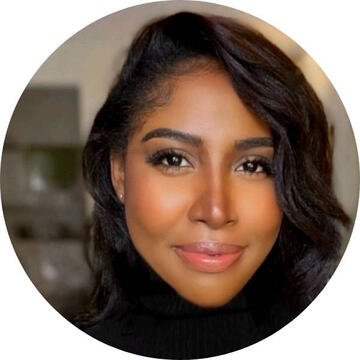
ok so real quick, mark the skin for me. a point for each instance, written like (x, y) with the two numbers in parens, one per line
(208, 197)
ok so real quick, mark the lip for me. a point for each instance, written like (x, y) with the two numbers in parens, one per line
(210, 257)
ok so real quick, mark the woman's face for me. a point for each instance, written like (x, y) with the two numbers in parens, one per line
(199, 196)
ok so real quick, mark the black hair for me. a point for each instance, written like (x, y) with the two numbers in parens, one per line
(273, 88)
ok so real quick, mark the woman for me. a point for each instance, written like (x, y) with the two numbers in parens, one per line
(215, 223)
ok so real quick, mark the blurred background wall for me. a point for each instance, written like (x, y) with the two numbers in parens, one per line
(46, 208)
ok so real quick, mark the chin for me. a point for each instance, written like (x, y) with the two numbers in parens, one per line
(206, 301)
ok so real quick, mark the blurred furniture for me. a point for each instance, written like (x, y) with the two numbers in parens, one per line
(43, 195)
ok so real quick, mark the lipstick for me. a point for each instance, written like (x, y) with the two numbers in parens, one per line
(210, 257)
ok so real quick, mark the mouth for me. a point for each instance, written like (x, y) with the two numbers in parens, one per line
(209, 257)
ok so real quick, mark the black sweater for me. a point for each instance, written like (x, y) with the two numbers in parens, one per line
(164, 325)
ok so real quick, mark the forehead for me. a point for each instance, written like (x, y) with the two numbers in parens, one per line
(206, 104)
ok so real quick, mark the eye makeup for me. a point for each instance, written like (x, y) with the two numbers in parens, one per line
(169, 159)
(255, 165)
(174, 160)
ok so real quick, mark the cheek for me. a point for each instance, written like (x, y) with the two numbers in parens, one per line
(153, 204)
(259, 210)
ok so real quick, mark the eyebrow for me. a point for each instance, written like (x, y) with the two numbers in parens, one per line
(196, 141)
(173, 134)
(253, 143)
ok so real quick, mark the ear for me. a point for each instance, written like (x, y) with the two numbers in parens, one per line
(117, 174)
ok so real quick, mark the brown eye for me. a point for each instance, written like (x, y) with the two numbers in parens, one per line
(255, 166)
(252, 166)
(169, 159)
(174, 160)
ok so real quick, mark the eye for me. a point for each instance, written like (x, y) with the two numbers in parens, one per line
(169, 159)
(255, 166)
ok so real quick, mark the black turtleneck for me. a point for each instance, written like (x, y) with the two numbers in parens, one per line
(164, 325)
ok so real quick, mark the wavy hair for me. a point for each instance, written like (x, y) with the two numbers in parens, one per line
(273, 88)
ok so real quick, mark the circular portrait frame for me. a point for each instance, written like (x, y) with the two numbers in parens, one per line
(328, 296)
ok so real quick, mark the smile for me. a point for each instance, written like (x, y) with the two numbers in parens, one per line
(210, 257)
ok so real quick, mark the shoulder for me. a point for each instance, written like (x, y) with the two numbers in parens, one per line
(101, 330)
(112, 331)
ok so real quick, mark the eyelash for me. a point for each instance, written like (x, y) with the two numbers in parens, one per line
(157, 159)
(159, 156)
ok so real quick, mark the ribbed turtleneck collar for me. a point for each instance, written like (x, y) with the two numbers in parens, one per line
(162, 324)
(169, 303)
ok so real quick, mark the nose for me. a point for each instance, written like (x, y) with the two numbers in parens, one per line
(213, 205)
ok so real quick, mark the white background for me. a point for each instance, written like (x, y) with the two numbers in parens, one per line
(31, 30)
